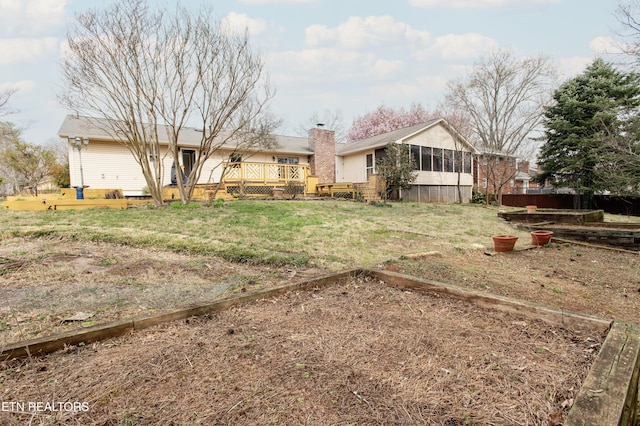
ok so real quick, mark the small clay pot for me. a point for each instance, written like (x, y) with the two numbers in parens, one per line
(531, 209)
(541, 238)
(503, 243)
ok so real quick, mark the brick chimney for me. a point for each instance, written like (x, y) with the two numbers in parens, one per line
(323, 161)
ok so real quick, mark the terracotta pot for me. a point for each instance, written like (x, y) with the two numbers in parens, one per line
(541, 238)
(504, 242)
(531, 209)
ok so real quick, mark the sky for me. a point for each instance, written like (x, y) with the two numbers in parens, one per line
(341, 56)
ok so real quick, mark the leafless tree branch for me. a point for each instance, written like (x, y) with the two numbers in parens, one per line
(150, 71)
(504, 97)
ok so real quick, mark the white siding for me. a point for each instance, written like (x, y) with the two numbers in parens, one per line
(354, 167)
(111, 166)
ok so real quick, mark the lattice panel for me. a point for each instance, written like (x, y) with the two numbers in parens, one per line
(274, 172)
(258, 190)
(233, 189)
(342, 195)
(253, 171)
(250, 190)
(295, 173)
(233, 172)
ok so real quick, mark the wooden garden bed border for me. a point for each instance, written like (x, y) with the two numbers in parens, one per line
(608, 396)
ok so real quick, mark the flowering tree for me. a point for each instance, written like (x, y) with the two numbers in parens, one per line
(386, 119)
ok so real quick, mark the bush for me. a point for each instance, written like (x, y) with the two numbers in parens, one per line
(478, 197)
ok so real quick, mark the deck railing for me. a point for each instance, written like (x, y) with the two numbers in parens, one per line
(249, 172)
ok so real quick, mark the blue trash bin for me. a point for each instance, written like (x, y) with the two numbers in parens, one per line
(79, 193)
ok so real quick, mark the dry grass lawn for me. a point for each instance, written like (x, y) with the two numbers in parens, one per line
(358, 353)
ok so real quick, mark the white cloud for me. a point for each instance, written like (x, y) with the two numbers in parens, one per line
(383, 68)
(239, 22)
(21, 86)
(572, 66)
(330, 64)
(476, 4)
(372, 31)
(31, 17)
(276, 1)
(26, 50)
(458, 47)
(605, 46)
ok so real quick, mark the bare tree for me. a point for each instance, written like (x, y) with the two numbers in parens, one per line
(5, 96)
(333, 120)
(151, 73)
(628, 15)
(22, 165)
(504, 97)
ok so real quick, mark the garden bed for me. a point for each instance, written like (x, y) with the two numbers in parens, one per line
(575, 217)
(378, 348)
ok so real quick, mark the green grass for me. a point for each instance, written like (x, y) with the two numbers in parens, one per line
(326, 234)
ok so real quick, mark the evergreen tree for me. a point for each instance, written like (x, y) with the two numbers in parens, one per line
(589, 114)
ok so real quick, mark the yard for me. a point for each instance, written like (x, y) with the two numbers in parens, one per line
(116, 264)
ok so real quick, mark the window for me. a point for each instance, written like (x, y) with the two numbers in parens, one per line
(288, 160)
(448, 160)
(457, 161)
(467, 162)
(437, 159)
(369, 166)
(426, 159)
(484, 182)
(153, 153)
(235, 158)
(415, 153)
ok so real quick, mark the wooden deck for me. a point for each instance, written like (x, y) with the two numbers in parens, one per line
(65, 200)
(368, 191)
(245, 179)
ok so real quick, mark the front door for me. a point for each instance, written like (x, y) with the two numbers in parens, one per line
(188, 161)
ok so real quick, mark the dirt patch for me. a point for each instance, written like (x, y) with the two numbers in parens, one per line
(357, 354)
(579, 278)
(354, 353)
(43, 281)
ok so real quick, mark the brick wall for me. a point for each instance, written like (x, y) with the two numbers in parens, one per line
(323, 161)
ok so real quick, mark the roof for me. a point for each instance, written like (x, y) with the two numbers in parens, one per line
(399, 135)
(96, 129)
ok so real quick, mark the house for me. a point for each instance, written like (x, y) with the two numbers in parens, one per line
(97, 160)
(524, 178)
(444, 158)
(494, 170)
